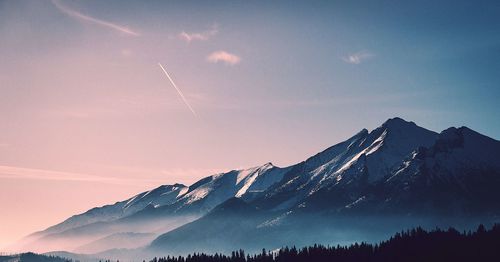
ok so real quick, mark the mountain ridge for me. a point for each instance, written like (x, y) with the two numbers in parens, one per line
(383, 170)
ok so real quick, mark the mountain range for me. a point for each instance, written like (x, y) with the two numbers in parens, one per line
(365, 188)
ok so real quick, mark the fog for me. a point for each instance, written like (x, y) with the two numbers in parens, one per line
(101, 236)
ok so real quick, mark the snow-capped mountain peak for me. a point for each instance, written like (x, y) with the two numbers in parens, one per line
(397, 166)
(162, 195)
(218, 188)
(365, 157)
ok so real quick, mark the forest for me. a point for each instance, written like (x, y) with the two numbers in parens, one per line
(412, 245)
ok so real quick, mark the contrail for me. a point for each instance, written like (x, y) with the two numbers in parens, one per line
(78, 15)
(178, 90)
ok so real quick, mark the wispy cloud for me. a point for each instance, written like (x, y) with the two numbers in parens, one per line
(198, 36)
(13, 172)
(85, 18)
(358, 58)
(223, 56)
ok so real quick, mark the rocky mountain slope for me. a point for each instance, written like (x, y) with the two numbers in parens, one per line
(365, 188)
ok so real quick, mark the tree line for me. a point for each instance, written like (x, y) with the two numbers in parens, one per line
(412, 245)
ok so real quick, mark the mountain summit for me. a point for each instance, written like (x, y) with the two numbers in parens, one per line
(395, 176)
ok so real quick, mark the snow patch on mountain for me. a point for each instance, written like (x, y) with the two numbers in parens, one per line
(367, 156)
(383, 148)
(162, 195)
(236, 183)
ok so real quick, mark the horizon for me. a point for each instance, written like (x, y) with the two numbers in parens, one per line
(104, 100)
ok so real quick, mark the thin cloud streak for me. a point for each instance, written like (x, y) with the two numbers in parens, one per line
(203, 36)
(358, 58)
(178, 90)
(13, 172)
(223, 56)
(75, 14)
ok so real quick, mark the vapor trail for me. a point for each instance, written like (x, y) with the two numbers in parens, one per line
(178, 90)
(78, 15)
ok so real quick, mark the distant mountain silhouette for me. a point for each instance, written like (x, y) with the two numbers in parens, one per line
(32, 257)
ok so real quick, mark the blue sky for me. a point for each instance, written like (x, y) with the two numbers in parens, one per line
(83, 98)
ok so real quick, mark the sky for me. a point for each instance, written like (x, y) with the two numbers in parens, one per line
(89, 117)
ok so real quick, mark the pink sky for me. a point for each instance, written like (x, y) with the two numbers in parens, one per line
(88, 117)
